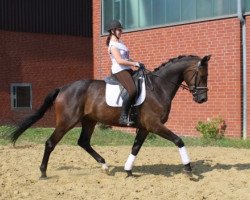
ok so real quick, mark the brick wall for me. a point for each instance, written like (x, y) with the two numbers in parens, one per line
(46, 61)
(221, 38)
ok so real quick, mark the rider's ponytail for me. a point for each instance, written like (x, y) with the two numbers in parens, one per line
(108, 38)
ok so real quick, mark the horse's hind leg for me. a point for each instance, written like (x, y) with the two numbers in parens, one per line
(139, 140)
(50, 144)
(88, 127)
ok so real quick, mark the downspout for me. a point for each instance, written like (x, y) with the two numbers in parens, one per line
(244, 67)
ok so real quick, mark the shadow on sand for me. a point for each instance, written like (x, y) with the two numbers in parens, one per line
(199, 169)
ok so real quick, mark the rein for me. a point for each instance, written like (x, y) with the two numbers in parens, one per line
(184, 87)
(194, 89)
(148, 82)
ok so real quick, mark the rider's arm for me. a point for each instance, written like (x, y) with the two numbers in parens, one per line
(115, 52)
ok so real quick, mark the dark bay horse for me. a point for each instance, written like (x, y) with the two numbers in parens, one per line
(84, 101)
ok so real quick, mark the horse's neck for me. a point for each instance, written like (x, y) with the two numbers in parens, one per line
(171, 78)
(172, 74)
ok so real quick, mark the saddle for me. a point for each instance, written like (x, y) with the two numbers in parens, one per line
(138, 77)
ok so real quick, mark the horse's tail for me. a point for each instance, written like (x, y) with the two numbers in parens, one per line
(29, 121)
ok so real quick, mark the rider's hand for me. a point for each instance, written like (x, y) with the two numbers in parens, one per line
(137, 64)
(140, 65)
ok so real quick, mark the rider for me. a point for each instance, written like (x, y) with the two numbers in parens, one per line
(121, 68)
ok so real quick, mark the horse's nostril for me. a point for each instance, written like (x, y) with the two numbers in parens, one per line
(200, 100)
(203, 100)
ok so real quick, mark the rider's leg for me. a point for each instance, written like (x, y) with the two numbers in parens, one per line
(124, 117)
(125, 78)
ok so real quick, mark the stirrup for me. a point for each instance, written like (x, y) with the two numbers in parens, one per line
(124, 121)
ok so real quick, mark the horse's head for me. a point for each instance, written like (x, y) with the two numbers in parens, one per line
(195, 77)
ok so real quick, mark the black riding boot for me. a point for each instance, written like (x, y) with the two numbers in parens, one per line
(124, 118)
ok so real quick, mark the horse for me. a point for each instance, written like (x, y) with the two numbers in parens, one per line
(83, 102)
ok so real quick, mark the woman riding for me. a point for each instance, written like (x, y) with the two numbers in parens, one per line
(121, 68)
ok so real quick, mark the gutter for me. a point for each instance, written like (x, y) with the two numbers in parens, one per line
(244, 66)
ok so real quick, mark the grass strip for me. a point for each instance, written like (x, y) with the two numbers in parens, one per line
(109, 137)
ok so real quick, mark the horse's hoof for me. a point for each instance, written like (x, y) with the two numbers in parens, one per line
(129, 173)
(43, 178)
(187, 172)
(105, 168)
(187, 168)
(191, 176)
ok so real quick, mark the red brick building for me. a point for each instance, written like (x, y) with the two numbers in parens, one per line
(48, 61)
(43, 45)
(220, 37)
(45, 62)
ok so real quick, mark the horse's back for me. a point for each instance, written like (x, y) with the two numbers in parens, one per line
(73, 97)
(80, 87)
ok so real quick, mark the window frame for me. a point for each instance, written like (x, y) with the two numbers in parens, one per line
(13, 96)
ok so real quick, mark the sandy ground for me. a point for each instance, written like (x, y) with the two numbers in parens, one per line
(221, 173)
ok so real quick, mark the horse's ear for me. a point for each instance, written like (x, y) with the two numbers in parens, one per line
(205, 59)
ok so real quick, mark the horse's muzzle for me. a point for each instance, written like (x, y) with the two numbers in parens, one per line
(200, 94)
(200, 98)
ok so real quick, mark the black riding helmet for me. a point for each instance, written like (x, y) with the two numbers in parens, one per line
(114, 24)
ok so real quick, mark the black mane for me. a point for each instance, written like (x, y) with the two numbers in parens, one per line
(177, 59)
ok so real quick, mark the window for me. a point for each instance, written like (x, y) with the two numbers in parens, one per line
(173, 11)
(108, 13)
(145, 13)
(188, 10)
(247, 5)
(158, 11)
(136, 14)
(132, 18)
(221, 7)
(21, 96)
(205, 8)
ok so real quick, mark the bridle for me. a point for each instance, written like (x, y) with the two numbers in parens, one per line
(194, 89)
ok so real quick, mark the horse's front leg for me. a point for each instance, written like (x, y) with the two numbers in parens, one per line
(139, 140)
(164, 132)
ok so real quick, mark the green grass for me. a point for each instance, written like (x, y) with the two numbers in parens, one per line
(108, 137)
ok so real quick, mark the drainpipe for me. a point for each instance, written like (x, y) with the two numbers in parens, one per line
(244, 67)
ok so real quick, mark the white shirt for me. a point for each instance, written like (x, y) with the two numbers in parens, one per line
(124, 55)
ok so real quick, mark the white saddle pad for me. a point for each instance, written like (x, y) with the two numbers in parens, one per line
(113, 91)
